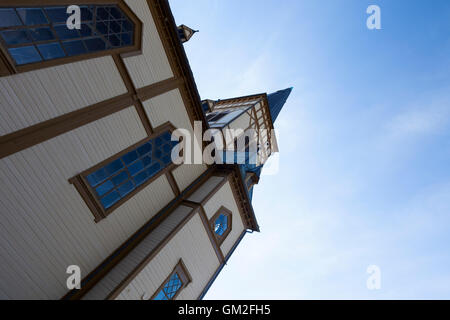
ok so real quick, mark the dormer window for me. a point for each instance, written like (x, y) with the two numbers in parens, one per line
(221, 224)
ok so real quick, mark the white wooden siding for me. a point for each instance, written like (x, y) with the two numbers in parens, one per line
(152, 65)
(168, 106)
(224, 197)
(36, 96)
(205, 189)
(187, 173)
(192, 245)
(120, 272)
(45, 225)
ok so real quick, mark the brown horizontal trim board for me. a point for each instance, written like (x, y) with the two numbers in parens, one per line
(28, 137)
(136, 48)
(150, 256)
(122, 251)
(87, 192)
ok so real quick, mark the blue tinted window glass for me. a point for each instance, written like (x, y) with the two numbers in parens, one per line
(51, 50)
(160, 296)
(97, 177)
(112, 29)
(146, 148)
(115, 13)
(140, 178)
(104, 188)
(74, 48)
(65, 33)
(16, 36)
(136, 167)
(42, 34)
(95, 44)
(172, 286)
(102, 27)
(126, 188)
(115, 26)
(102, 13)
(167, 148)
(147, 161)
(114, 40)
(126, 39)
(153, 169)
(109, 200)
(127, 26)
(114, 166)
(221, 225)
(86, 13)
(32, 16)
(85, 30)
(9, 18)
(130, 157)
(24, 55)
(121, 177)
(57, 14)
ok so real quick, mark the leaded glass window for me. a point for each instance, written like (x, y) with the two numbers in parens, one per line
(178, 279)
(36, 34)
(122, 175)
(170, 288)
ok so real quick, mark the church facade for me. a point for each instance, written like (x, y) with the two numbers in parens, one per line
(88, 180)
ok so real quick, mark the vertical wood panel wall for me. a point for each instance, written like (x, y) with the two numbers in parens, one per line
(45, 224)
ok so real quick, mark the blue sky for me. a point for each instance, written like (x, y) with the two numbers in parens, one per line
(364, 143)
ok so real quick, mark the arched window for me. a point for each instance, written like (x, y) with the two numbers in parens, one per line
(221, 224)
(38, 36)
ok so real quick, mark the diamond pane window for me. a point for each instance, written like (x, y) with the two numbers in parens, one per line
(170, 288)
(37, 34)
(116, 179)
(175, 282)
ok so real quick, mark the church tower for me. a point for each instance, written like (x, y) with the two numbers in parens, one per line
(93, 204)
(252, 117)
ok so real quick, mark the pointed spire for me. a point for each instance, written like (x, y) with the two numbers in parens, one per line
(277, 101)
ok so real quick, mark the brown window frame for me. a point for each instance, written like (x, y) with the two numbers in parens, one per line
(184, 275)
(88, 193)
(222, 210)
(8, 66)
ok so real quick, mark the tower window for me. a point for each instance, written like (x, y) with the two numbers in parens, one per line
(111, 183)
(221, 224)
(175, 282)
(32, 35)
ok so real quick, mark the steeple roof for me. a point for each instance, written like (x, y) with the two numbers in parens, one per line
(277, 101)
